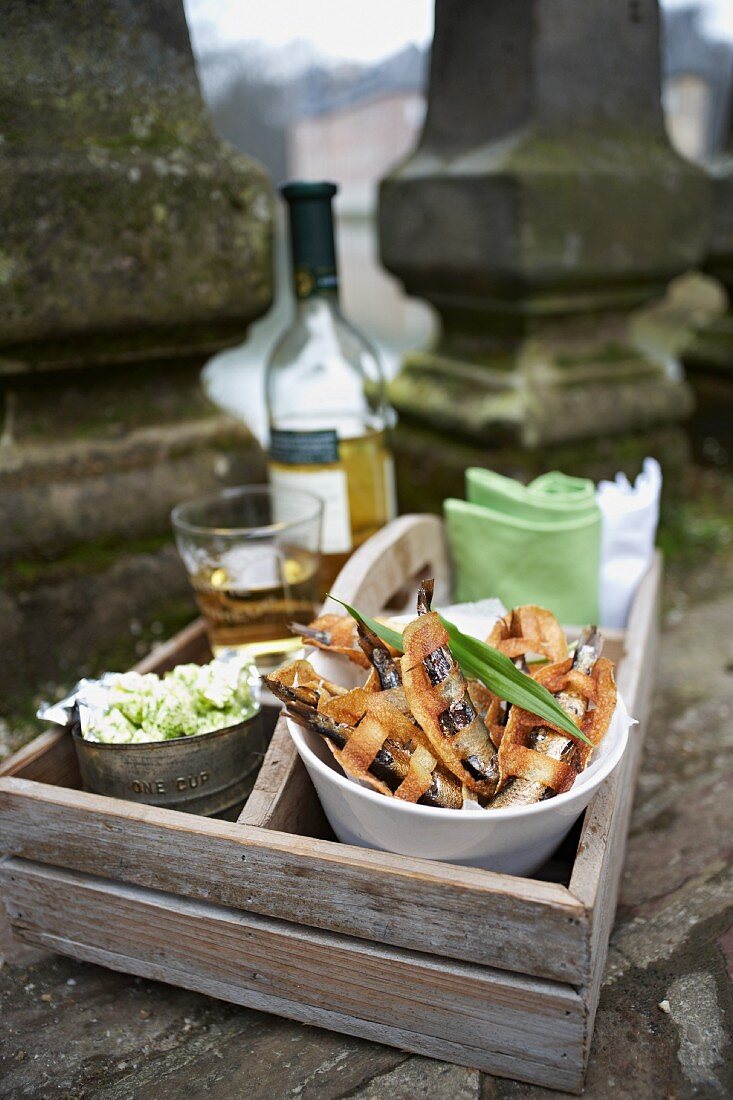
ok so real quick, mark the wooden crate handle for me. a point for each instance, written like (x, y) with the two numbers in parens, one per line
(386, 569)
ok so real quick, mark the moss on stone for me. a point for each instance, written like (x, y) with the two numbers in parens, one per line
(85, 558)
(604, 353)
(86, 406)
(551, 396)
(430, 466)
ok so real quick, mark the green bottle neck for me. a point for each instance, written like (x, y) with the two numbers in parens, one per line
(312, 244)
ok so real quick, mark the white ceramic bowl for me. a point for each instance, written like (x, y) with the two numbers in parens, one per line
(515, 841)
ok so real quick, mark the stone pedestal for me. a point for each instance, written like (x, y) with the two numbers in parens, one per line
(542, 208)
(135, 243)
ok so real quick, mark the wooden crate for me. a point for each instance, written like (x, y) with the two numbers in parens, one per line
(482, 969)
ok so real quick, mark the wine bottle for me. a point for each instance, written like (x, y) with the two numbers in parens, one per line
(325, 392)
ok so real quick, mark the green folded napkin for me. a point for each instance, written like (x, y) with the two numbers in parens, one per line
(537, 543)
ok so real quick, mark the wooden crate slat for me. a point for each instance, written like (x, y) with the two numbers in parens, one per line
(484, 1013)
(567, 1078)
(518, 924)
(49, 758)
(283, 797)
(614, 814)
(599, 863)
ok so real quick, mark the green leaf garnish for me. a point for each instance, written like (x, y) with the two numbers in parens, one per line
(386, 633)
(480, 661)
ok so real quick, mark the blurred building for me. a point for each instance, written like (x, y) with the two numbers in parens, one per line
(355, 134)
(357, 143)
(698, 73)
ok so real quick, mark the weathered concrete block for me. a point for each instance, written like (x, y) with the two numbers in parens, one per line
(90, 467)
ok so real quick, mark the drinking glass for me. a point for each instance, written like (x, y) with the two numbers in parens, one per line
(254, 564)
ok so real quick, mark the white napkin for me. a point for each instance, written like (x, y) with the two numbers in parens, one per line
(629, 517)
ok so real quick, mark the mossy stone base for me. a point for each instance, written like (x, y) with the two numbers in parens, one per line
(100, 608)
(711, 348)
(540, 393)
(708, 360)
(106, 455)
(711, 426)
(135, 244)
(90, 465)
(431, 465)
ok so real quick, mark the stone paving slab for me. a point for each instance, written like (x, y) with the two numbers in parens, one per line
(76, 1030)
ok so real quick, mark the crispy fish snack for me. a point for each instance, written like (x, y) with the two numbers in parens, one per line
(385, 674)
(527, 630)
(337, 634)
(437, 694)
(372, 741)
(370, 726)
(381, 731)
(524, 750)
(600, 693)
(382, 658)
(299, 680)
(488, 706)
(418, 731)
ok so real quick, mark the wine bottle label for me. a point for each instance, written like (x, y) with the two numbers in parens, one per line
(319, 448)
(331, 487)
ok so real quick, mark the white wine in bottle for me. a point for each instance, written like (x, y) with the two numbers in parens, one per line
(325, 393)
